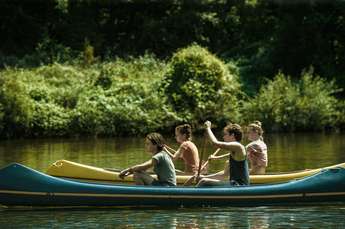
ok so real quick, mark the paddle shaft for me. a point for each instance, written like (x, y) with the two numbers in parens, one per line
(190, 180)
(208, 160)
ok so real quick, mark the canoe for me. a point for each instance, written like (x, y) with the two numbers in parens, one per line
(69, 169)
(26, 187)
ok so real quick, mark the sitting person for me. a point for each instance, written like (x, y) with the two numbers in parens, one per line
(160, 161)
(238, 165)
(187, 150)
(256, 149)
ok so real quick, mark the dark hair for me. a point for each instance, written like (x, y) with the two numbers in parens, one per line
(234, 129)
(156, 139)
(185, 129)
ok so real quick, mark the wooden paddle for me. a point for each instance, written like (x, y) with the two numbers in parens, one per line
(208, 160)
(191, 179)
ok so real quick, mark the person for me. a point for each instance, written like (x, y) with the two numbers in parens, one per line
(238, 164)
(187, 150)
(256, 149)
(161, 162)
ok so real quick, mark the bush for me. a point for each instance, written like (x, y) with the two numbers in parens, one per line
(50, 119)
(199, 86)
(113, 98)
(15, 106)
(124, 106)
(284, 105)
(340, 118)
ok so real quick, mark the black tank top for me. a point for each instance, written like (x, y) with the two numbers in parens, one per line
(239, 172)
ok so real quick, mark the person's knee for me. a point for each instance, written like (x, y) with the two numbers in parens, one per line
(137, 176)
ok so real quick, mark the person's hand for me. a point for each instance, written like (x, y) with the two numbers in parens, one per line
(198, 178)
(254, 149)
(211, 157)
(125, 173)
(208, 124)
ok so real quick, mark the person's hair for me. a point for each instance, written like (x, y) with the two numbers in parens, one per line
(256, 127)
(185, 129)
(156, 139)
(234, 129)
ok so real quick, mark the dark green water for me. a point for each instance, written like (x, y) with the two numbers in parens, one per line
(286, 153)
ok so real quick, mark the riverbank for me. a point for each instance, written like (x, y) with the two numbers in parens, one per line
(126, 97)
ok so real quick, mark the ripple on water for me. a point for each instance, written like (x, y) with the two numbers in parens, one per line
(251, 218)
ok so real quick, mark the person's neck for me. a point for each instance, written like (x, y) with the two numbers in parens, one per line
(155, 152)
(256, 138)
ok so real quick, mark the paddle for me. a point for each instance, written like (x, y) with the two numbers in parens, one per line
(208, 160)
(190, 180)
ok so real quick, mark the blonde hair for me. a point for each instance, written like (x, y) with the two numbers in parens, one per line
(256, 127)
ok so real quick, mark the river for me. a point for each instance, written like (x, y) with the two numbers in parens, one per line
(287, 152)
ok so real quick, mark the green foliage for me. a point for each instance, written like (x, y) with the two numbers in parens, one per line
(63, 100)
(282, 104)
(89, 56)
(199, 85)
(50, 119)
(340, 117)
(15, 107)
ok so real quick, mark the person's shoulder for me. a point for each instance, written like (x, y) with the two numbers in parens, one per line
(189, 143)
(186, 145)
(253, 144)
(159, 155)
(239, 144)
(261, 144)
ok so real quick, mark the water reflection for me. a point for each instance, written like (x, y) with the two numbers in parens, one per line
(246, 218)
(287, 152)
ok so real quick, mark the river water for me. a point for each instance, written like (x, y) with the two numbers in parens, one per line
(287, 152)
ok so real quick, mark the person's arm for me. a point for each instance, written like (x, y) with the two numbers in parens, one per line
(144, 166)
(231, 146)
(174, 154)
(169, 150)
(141, 167)
(211, 157)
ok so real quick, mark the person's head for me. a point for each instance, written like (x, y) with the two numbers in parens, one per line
(154, 142)
(232, 132)
(183, 133)
(255, 131)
